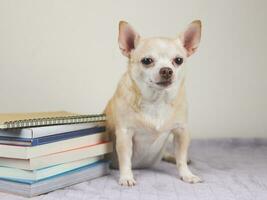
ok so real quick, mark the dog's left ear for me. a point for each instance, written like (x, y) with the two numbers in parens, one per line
(128, 38)
(191, 37)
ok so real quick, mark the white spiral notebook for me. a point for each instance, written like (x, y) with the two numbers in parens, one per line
(22, 120)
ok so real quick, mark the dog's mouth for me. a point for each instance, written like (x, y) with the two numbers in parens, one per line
(164, 83)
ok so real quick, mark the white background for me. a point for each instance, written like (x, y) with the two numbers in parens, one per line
(63, 55)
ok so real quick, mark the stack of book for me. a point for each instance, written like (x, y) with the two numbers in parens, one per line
(42, 152)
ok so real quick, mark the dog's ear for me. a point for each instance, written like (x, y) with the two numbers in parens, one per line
(128, 38)
(191, 37)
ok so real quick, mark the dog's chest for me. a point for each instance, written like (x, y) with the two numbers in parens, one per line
(155, 115)
(150, 137)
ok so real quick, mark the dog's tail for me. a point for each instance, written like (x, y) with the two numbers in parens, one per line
(168, 155)
(171, 159)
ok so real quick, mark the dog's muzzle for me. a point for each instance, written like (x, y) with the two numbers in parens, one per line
(166, 76)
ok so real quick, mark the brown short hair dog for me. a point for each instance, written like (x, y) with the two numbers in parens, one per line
(150, 102)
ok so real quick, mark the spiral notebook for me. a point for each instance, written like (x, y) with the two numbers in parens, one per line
(22, 120)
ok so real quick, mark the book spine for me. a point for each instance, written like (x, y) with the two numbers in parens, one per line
(50, 138)
(65, 136)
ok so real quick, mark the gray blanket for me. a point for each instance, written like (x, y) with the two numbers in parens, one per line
(231, 169)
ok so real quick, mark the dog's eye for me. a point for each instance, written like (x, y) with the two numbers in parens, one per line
(178, 60)
(147, 61)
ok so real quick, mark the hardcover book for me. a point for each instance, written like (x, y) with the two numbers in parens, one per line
(50, 138)
(37, 132)
(26, 152)
(34, 188)
(58, 158)
(40, 174)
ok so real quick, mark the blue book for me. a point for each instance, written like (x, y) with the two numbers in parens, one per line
(34, 188)
(50, 138)
(10, 173)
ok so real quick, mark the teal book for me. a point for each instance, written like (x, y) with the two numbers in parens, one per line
(40, 174)
(34, 188)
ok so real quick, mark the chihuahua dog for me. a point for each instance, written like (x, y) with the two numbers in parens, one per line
(150, 102)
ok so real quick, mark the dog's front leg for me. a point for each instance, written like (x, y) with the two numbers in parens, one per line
(124, 151)
(181, 144)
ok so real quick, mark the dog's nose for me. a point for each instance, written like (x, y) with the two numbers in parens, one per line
(166, 72)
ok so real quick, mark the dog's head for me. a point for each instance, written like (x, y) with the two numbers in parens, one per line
(158, 62)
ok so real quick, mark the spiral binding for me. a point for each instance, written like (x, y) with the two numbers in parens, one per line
(55, 121)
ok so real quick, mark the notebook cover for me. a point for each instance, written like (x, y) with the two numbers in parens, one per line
(6, 117)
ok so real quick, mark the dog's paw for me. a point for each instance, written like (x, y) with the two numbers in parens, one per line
(126, 181)
(191, 179)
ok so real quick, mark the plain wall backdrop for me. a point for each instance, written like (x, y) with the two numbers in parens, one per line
(63, 55)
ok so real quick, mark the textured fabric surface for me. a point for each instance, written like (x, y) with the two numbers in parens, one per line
(231, 169)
